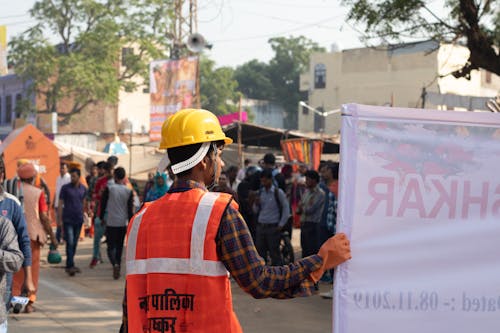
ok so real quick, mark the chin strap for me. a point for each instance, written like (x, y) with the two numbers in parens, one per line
(216, 167)
(193, 160)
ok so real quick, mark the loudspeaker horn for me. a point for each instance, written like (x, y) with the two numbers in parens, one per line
(196, 43)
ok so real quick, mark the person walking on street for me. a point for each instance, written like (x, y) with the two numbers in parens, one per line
(310, 209)
(272, 210)
(63, 179)
(159, 188)
(72, 201)
(12, 210)
(39, 226)
(232, 180)
(12, 259)
(327, 226)
(223, 186)
(117, 209)
(181, 246)
(106, 175)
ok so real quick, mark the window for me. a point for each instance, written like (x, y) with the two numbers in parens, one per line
(19, 98)
(319, 76)
(125, 52)
(305, 110)
(8, 109)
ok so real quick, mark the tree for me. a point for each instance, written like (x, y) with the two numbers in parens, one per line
(473, 23)
(83, 68)
(291, 58)
(218, 89)
(254, 80)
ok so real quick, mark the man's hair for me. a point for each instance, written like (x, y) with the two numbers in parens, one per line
(182, 153)
(269, 158)
(267, 173)
(334, 168)
(313, 174)
(100, 164)
(113, 160)
(232, 168)
(119, 173)
(75, 170)
(106, 166)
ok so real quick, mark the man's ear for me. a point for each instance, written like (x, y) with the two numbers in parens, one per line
(205, 162)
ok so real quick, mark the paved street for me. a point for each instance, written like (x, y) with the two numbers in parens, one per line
(91, 302)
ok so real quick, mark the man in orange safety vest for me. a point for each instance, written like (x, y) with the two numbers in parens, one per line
(182, 247)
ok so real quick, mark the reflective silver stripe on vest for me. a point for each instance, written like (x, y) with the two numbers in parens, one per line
(132, 237)
(195, 265)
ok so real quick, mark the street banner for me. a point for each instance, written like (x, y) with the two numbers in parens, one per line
(227, 119)
(3, 50)
(420, 201)
(172, 88)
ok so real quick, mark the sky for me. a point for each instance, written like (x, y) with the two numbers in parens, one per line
(239, 30)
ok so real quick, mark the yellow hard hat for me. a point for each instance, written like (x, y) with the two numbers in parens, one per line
(190, 126)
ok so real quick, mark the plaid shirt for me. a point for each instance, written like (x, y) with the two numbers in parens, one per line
(238, 254)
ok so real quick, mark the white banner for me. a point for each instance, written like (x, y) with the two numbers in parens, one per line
(420, 202)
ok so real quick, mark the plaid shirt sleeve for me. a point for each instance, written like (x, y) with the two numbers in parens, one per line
(238, 253)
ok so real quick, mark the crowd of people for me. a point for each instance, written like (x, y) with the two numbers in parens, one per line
(272, 199)
(105, 197)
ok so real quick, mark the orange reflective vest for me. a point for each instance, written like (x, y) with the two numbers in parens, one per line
(175, 282)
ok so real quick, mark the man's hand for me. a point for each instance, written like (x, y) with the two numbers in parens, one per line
(334, 251)
(29, 286)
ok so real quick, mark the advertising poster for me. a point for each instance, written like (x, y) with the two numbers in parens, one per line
(172, 88)
(420, 202)
(3, 50)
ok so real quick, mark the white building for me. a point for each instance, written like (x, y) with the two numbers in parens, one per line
(393, 76)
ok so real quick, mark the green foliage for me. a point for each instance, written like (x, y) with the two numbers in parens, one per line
(476, 24)
(279, 80)
(84, 66)
(218, 88)
(254, 80)
(291, 58)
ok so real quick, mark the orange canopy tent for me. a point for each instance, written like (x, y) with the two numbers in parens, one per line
(29, 143)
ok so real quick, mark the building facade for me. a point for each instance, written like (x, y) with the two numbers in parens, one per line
(412, 75)
(12, 93)
(265, 113)
(130, 113)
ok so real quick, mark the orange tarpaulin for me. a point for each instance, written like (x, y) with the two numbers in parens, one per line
(29, 143)
(303, 150)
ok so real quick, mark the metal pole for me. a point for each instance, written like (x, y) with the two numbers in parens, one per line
(130, 152)
(240, 148)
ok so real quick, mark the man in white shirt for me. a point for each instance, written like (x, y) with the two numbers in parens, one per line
(63, 179)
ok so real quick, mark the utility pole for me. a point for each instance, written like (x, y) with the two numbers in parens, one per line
(423, 96)
(185, 24)
(240, 147)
